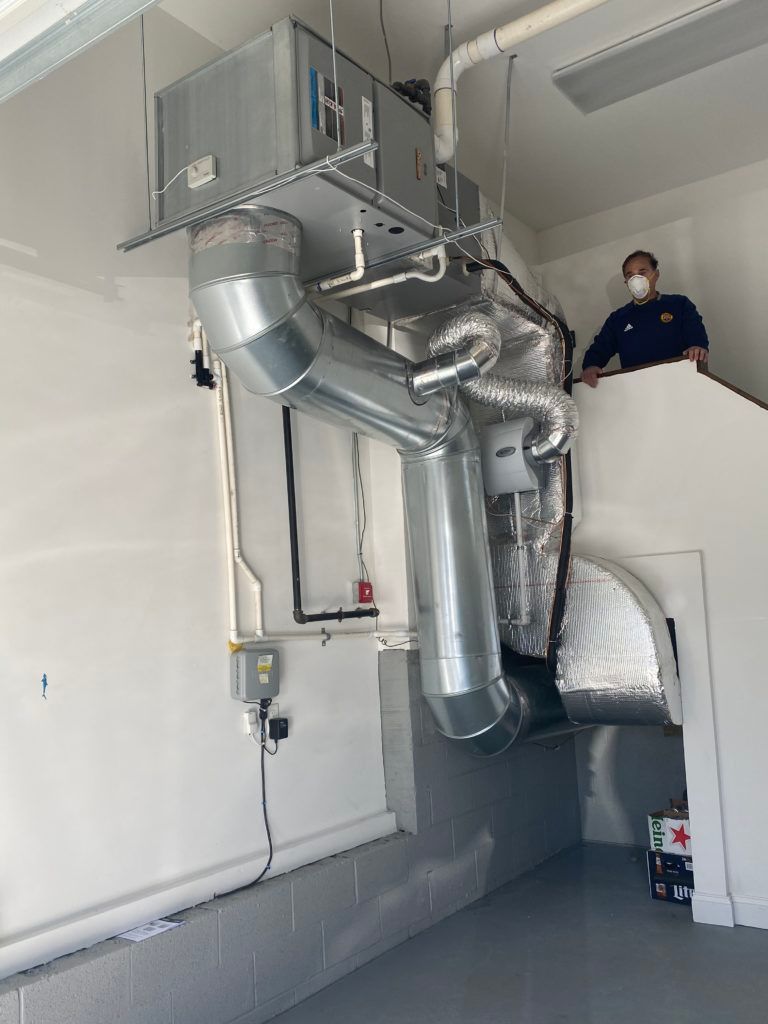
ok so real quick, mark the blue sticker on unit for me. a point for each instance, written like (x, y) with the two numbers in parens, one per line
(313, 98)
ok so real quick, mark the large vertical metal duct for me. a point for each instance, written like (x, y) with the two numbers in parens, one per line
(246, 289)
(615, 661)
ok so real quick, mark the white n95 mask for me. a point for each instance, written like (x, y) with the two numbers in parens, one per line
(639, 286)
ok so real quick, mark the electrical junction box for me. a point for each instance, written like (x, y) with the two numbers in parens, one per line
(255, 674)
(278, 103)
(505, 457)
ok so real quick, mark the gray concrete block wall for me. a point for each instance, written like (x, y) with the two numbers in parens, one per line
(468, 826)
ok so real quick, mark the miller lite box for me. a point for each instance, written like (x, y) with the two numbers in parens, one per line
(670, 832)
(670, 877)
(670, 890)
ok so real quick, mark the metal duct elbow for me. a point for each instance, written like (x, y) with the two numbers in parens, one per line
(469, 346)
(247, 292)
(553, 410)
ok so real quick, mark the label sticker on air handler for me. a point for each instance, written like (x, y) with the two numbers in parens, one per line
(322, 95)
(264, 667)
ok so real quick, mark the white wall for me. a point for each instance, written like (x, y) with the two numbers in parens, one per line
(664, 469)
(133, 790)
(625, 773)
(710, 240)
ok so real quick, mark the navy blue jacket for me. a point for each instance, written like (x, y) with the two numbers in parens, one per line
(660, 329)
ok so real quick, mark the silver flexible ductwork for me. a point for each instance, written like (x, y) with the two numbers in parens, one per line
(615, 663)
(551, 408)
(247, 292)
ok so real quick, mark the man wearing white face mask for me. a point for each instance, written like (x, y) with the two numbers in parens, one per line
(648, 329)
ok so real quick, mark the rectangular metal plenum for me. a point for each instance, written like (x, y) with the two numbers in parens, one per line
(211, 112)
(271, 106)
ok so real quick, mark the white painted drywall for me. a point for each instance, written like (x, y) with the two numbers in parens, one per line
(665, 468)
(132, 790)
(624, 773)
(710, 239)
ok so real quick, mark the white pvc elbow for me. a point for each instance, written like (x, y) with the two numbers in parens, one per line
(491, 44)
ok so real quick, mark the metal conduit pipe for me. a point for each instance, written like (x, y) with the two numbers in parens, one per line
(246, 289)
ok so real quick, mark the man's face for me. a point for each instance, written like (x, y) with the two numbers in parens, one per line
(642, 265)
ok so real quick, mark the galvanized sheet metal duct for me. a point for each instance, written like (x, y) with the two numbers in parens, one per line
(616, 663)
(245, 286)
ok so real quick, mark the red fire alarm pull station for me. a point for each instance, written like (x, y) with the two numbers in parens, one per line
(364, 590)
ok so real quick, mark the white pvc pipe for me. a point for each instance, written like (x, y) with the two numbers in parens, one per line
(227, 503)
(232, 530)
(405, 275)
(491, 44)
(231, 517)
(353, 275)
(237, 555)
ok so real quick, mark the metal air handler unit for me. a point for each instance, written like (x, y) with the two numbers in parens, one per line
(268, 109)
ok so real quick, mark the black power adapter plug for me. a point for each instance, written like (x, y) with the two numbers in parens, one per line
(278, 729)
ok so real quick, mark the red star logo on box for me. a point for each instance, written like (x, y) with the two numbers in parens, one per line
(679, 835)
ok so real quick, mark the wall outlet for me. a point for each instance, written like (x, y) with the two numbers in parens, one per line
(201, 171)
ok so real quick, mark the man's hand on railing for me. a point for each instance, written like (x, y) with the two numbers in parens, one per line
(697, 354)
(590, 374)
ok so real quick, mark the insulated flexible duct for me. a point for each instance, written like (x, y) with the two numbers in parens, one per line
(245, 286)
(615, 662)
(549, 406)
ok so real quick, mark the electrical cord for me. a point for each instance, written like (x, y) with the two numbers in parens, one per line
(386, 643)
(262, 740)
(386, 40)
(361, 537)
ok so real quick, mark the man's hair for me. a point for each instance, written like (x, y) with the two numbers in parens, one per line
(640, 252)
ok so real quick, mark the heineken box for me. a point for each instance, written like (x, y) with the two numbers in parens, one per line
(670, 831)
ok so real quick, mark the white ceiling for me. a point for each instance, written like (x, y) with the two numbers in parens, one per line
(562, 164)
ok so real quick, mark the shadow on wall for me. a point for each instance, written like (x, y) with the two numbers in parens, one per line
(624, 773)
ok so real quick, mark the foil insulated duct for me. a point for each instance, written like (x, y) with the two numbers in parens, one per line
(551, 408)
(615, 664)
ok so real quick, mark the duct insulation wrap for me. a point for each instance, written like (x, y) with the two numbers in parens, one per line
(246, 290)
(552, 409)
(621, 673)
(617, 664)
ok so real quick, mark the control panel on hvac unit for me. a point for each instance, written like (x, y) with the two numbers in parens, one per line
(281, 102)
(255, 674)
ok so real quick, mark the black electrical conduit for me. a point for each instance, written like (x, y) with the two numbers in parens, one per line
(299, 614)
(564, 558)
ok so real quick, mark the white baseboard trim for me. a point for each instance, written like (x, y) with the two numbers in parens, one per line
(18, 953)
(751, 911)
(710, 909)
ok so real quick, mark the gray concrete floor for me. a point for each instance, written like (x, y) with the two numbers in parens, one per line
(577, 940)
